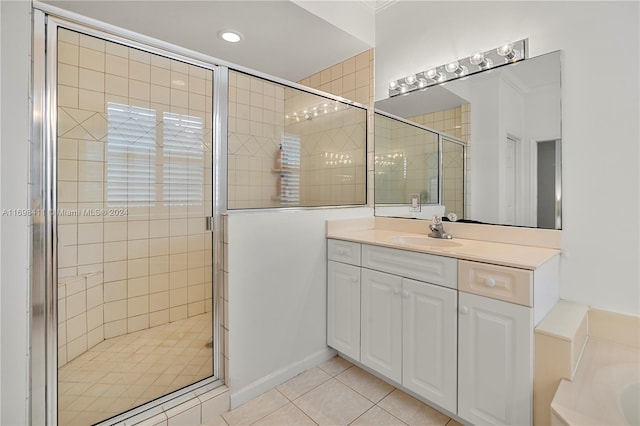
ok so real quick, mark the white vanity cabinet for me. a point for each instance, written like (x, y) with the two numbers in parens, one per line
(458, 333)
(499, 307)
(429, 342)
(381, 322)
(495, 368)
(407, 326)
(409, 334)
(343, 297)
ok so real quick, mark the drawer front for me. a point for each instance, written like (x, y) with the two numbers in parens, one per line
(418, 266)
(498, 282)
(344, 251)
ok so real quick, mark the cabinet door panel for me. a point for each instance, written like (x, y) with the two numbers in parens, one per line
(381, 323)
(343, 308)
(429, 329)
(495, 370)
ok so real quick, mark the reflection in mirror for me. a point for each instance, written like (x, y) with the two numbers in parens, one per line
(509, 118)
(453, 177)
(406, 162)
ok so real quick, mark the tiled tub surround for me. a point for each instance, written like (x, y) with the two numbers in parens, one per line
(324, 153)
(483, 298)
(153, 249)
(80, 315)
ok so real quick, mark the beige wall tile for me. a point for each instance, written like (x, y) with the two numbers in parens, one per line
(91, 59)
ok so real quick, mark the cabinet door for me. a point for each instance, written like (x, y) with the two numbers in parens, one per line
(429, 329)
(343, 308)
(495, 370)
(381, 347)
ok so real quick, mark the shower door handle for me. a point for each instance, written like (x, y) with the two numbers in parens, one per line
(209, 223)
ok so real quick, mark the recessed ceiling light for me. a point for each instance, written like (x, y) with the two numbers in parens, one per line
(230, 36)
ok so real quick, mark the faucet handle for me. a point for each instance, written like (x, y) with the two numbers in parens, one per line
(436, 220)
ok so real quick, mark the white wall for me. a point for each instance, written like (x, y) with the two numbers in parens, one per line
(355, 17)
(15, 48)
(277, 296)
(483, 151)
(600, 110)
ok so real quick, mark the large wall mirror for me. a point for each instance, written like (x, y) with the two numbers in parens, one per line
(500, 155)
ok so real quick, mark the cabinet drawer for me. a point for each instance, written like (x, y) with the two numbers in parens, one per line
(498, 282)
(344, 251)
(419, 266)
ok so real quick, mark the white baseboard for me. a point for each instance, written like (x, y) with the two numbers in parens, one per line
(270, 381)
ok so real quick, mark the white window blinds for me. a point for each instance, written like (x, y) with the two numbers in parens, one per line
(135, 162)
(183, 159)
(290, 175)
(131, 150)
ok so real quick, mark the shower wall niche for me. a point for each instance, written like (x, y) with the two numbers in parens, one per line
(289, 148)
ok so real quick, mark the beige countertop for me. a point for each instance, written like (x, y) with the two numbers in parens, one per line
(517, 256)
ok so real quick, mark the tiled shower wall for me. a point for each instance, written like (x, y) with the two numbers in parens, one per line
(156, 258)
(262, 116)
(352, 79)
(332, 159)
(256, 125)
(80, 315)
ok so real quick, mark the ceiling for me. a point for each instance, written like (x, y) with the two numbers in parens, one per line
(280, 38)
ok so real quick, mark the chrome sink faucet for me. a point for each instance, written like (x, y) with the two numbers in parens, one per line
(437, 229)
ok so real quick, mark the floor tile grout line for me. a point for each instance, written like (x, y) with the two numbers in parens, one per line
(374, 406)
(270, 412)
(306, 392)
(366, 397)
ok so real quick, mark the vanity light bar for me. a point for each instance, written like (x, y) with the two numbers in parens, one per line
(477, 62)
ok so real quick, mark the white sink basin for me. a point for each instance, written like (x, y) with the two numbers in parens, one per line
(416, 240)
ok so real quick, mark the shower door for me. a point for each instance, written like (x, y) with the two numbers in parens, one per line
(134, 183)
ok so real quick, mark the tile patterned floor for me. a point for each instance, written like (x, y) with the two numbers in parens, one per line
(335, 393)
(126, 371)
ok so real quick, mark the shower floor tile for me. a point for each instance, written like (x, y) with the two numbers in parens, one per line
(126, 371)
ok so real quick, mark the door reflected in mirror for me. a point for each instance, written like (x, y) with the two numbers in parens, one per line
(505, 128)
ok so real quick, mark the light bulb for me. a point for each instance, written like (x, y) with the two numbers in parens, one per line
(404, 88)
(456, 68)
(393, 85)
(435, 75)
(480, 60)
(476, 58)
(422, 83)
(452, 66)
(508, 52)
(505, 49)
(410, 79)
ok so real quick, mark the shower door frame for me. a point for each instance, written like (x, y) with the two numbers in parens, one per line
(43, 398)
